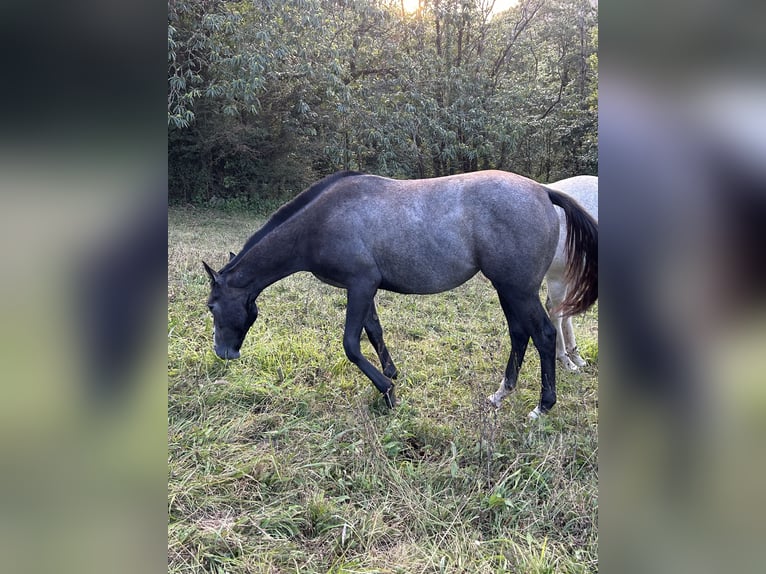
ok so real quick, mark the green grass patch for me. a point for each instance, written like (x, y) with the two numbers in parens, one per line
(287, 460)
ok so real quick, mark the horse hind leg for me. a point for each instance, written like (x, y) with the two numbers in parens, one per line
(527, 318)
(519, 341)
(375, 334)
(544, 337)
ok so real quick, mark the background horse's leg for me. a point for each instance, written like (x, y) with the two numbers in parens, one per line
(375, 334)
(557, 291)
(570, 343)
(360, 300)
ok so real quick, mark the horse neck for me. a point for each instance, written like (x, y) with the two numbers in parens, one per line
(274, 257)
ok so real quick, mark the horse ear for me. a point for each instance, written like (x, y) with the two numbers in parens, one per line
(212, 274)
(232, 255)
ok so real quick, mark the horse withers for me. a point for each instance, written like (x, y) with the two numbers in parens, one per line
(364, 233)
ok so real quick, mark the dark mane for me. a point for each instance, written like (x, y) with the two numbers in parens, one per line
(288, 210)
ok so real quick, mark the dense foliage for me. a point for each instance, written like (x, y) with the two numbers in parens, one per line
(265, 96)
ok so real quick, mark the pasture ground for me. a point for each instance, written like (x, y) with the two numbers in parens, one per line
(288, 461)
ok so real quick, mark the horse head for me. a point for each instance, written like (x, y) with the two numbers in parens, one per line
(234, 311)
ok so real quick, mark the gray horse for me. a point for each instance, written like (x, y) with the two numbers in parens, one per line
(363, 233)
(584, 189)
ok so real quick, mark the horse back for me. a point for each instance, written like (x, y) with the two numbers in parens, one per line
(584, 190)
(426, 236)
(581, 188)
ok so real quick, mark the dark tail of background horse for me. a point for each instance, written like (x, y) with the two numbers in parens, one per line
(581, 254)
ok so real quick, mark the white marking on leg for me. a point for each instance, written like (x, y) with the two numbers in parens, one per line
(497, 397)
(535, 414)
(574, 355)
(567, 363)
(571, 344)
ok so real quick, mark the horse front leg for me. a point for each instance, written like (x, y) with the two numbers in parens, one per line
(375, 334)
(360, 303)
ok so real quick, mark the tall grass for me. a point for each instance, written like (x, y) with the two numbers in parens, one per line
(288, 461)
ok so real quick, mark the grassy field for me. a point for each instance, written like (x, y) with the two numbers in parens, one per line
(288, 461)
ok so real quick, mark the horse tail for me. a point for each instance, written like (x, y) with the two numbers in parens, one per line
(581, 255)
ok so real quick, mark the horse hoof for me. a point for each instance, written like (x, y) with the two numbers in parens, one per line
(568, 364)
(535, 414)
(578, 360)
(390, 398)
(391, 372)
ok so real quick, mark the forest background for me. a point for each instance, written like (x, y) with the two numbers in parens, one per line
(264, 97)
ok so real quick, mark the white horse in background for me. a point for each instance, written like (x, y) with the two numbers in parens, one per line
(584, 190)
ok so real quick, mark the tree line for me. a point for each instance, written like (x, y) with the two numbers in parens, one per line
(265, 96)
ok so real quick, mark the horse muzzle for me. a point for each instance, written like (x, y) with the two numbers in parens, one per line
(225, 353)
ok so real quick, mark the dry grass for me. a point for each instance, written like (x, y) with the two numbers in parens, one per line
(287, 461)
